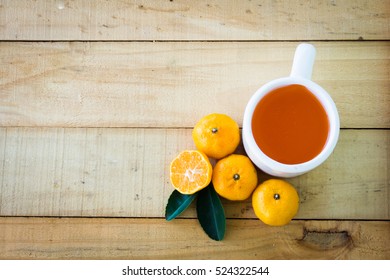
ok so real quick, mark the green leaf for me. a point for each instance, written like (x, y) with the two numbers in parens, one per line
(177, 203)
(211, 214)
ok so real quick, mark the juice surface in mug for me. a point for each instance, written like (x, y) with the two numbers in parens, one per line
(290, 125)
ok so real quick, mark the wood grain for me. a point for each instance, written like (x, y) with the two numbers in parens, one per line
(168, 84)
(125, 173)
(97, 97)
(194, 20)
(81, 238)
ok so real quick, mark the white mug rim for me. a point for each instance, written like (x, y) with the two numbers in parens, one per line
(272, 166)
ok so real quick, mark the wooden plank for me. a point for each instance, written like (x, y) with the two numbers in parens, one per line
(194, 20)
(167, 84)
(74, 238)
(125, 173)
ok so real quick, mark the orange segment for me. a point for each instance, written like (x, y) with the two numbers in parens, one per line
(190, 171)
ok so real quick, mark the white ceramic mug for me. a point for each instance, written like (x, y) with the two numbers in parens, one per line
(300, 74)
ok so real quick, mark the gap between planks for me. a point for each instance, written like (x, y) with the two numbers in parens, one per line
(199, 41)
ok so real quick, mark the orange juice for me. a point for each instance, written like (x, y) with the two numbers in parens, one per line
(290, 125)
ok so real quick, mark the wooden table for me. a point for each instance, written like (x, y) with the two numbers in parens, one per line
(97, 97)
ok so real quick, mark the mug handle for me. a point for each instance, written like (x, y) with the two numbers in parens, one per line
(303, 61)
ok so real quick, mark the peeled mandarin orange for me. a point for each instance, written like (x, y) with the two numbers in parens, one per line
(275, 202)
(190, 171)
(234, 177)
(217, 135)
